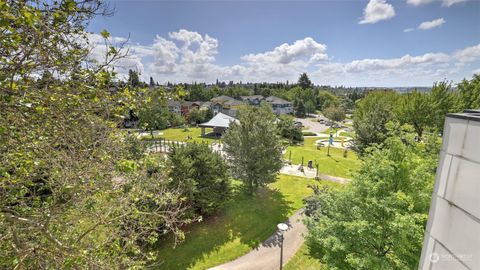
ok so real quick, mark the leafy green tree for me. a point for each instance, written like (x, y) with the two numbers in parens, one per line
(415, 109)
(327, 99)
(304, 82)
(371, 116)
(288, 130)
(64, 202)
(196, 116)
(310, 106)
(443, 101)
(253, 147)
(335, 114)
(469, 93)
(201, 175)
(378, 221)
(153, 114)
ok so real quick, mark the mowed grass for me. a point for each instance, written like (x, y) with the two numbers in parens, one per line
(245, 222)
(179, 134)
(335, 164)
(303, 261)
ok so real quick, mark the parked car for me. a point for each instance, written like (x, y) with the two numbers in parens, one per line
(298, 124)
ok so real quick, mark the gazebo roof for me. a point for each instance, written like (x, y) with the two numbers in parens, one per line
(219, 120)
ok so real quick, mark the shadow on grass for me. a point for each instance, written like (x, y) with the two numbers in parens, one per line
(246, 221)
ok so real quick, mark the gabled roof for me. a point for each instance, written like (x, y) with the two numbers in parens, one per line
(221, 99)
(233, 102)
(172, 103)
(277, 100)
(251, 97)
(219, 120)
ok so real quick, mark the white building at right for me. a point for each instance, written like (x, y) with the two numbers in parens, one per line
(452, 237)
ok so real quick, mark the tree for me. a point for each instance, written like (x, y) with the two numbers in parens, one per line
(371, 116)
(299, 108)
(310, 106)
(415, 109)
(153, 114)
(288, 130)
(65, 200)
(304, 82)
(327, 99)
(253, 148)
(196, 116)
(443, 101)
(133, 79)
(201, 175)
(378, 221)
(469, 93)
(152, 83)
(335, 114)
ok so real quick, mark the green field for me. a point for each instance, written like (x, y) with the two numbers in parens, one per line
(303, 261)
(180, 135)
(335, 164)
(242, 225)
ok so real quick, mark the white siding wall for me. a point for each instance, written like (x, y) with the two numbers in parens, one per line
(452, 238)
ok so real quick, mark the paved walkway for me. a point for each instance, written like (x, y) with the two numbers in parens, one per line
(311, 173)
(312, 125)
(267, 255)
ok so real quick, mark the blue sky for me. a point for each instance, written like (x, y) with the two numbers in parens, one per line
(354, 43)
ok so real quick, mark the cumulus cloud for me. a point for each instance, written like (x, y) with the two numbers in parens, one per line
(445, 3)
(468, 54)
(186, 56)
(377, 10)
(306, 48)
(408, 30)
(431, 24)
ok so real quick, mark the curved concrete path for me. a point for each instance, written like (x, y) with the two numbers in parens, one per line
(311, 173)
(267, 255)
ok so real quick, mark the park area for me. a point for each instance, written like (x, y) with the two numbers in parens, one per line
(335, 163)
(241, 226)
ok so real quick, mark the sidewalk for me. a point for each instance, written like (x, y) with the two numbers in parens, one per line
(267, 255)
(310, 173)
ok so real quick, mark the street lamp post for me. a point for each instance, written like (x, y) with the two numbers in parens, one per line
(282, 227)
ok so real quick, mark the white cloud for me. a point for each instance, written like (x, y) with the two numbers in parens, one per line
(306, 48)
(445, 3)
(419, 2)
(377, 10)
(408, 30)
(431, 24)
(468, 54)
(186, 56)
(448, 3)
(476, 71)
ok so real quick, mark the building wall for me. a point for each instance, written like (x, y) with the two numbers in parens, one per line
(452, 237)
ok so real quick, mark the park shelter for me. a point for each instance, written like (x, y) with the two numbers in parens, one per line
(220, 122)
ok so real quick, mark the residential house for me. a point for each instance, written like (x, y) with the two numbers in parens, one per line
(186, 106)
(254, 100)
(280, 106)
(174, 106)
(231, 107)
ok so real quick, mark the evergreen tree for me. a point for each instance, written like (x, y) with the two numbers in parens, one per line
(304, 82)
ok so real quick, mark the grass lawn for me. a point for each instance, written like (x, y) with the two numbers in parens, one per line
(303, 261)
(179, 134)
(335, 164)
(245, 222)
(347, 134)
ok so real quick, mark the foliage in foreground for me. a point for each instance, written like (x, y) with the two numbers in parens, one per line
(378, 221)
(253, 147)
(73, 194)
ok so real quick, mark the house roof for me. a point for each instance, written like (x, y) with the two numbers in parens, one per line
(206, 104)
(277, 100)
(172, 103)
(221, 99)
(252, 97)
(233, 102)
(219, 120)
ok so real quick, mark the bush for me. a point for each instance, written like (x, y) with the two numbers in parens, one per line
(309, 133)
(201, 175)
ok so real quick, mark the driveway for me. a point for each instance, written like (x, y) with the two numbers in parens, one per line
(312, 125)
(267, 255)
